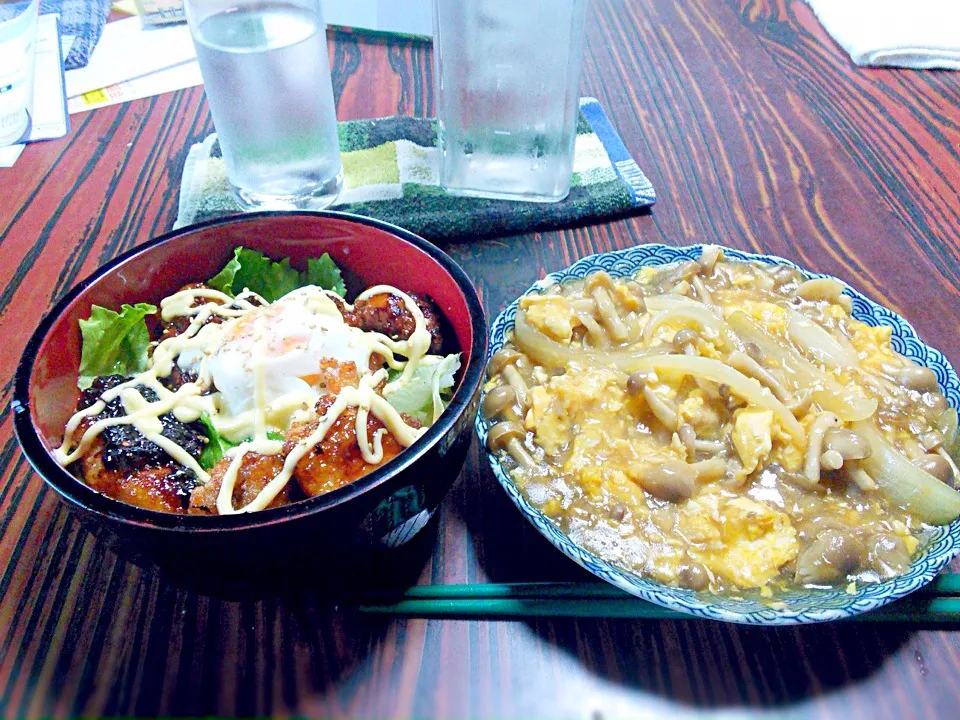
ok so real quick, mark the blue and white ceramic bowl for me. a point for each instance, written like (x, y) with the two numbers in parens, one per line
(802, 606)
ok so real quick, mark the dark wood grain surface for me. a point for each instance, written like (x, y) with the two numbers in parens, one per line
(757, 132)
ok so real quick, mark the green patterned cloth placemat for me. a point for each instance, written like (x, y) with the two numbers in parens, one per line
(391, 173)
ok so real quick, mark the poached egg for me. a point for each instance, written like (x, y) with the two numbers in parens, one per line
(270, 358)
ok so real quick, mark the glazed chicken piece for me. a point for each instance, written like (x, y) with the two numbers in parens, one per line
(337, 460)
(334, 375)
(255, 472)
(178, 377)
(160, 487)
(172, 328)
(125, 465)
(387, 314)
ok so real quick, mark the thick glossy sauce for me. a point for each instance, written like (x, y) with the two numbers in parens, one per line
(682, 424)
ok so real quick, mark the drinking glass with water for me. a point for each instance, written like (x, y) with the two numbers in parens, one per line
(506, 87)
(18, 29)
(267, 80)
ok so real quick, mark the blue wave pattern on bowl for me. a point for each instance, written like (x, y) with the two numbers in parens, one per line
(800, 606)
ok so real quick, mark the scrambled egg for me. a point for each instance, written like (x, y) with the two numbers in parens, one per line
(772, 317)
(551, 315)
(691, 409)
(585, 411)
(697, 411)
(603, 431)
(743, 541)
(552, 430)
(753, 438)
(787, 451)
(708, 349)
(593, 432)
(871, 343)
(647, 273)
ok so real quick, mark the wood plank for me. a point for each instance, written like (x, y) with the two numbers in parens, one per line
(757, 132)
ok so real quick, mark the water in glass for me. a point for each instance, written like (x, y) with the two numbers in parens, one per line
(267, 81)
(507, 76)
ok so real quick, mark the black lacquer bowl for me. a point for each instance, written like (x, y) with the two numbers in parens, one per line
(384, 509)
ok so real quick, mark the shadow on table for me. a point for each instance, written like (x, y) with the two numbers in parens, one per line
(694, 663)
(706, 664)
(137, 644)
(333, 572)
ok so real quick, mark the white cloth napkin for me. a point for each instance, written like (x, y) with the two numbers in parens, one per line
(904, 33)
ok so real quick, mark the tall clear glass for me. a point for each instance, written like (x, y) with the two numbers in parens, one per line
(506, 89)
(267, 80)
(18, 30)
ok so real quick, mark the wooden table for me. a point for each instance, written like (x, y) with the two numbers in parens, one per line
(757, 132)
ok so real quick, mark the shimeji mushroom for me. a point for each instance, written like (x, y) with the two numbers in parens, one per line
(832, 556)
(507, 362)
(508, 435)
(937, 466)
(811, 465)
(498, 401)
(917, 377)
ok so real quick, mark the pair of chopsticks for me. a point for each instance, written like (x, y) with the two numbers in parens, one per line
(937, 603)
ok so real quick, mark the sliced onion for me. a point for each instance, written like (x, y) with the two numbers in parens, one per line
(552, 354)
(820, 343)
(947, 425)
(848, 403)
(738, 383)
(663, 303)
(659, 303)
(700, 317)
(904, 483)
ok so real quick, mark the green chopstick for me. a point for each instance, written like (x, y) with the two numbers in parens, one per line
(932, 604)
(935, 611)
(948, 584)
(489, 608)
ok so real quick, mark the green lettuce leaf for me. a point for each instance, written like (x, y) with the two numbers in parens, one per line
(426, 392)
(272, 280)
(323, 272)
(393, 374)
(114, 342)
(216, 446)
(223, 280)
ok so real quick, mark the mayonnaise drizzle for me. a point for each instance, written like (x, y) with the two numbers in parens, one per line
(365, 399)
(414, 347)
(179, 304)
(187, 403)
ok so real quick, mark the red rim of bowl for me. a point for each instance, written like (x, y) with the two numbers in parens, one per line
(83, 496)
